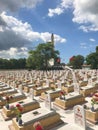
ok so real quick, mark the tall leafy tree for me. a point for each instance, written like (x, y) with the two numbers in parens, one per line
(92, 59)
(76, 61)
(39, 58)
(21, 63)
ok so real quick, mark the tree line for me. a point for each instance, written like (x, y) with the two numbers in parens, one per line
(39, 59)
(13, 63)
(91, 59)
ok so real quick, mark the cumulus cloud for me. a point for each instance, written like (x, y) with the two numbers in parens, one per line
(88, 28)
(65, 4)
(92, 40)
(14, 53)
(47, 37)
(57, 11)
(14, 34)
(14, 5)
(85, 13)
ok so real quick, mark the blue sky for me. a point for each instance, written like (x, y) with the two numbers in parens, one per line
(24, 24)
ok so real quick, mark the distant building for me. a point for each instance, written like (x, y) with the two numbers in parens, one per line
(85, 66)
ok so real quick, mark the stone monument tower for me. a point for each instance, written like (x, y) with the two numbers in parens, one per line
(52, 40)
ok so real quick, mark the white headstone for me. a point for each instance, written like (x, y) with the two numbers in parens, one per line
(47, 82)
(85, 76)
(76, 85)
(31, 93)
(76, 88)
(90, 82)
(14, 85)
(79, 116)
(59, 85)
(66, 74)
(20, 89)
(8, 83)
(48, 101)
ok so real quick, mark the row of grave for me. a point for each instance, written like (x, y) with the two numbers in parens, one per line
(72, 81)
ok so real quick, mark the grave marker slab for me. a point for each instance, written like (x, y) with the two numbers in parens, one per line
(79, 116)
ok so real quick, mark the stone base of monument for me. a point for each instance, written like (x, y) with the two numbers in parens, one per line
(68, 88)
(92, 116)
(53, 94)
(48, 119)
(69, 101)
(40, 90)
(87, 90)
(27, 104)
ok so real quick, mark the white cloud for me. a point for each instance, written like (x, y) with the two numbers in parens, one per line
(14, 5)
(14, 34)
(65, 4)
(86, 13)
(47, 37)
(92, 40)
(57, 11)
(89, 28)
(83, 45)
(58, 39)
(14, 53)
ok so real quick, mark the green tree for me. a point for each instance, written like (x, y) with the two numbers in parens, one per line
(22, 63)
(76, 61)
(4, 63)
(96, 49)
(39, 58)
(92, 59)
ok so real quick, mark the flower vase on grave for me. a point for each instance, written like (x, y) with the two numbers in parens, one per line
(64, 98)
(8, 98)
(18, 111)
(7, 106)
(17, 118)
(7, 102)
(92, 108)
(20, 121)
(92, 103)
(62, 95)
